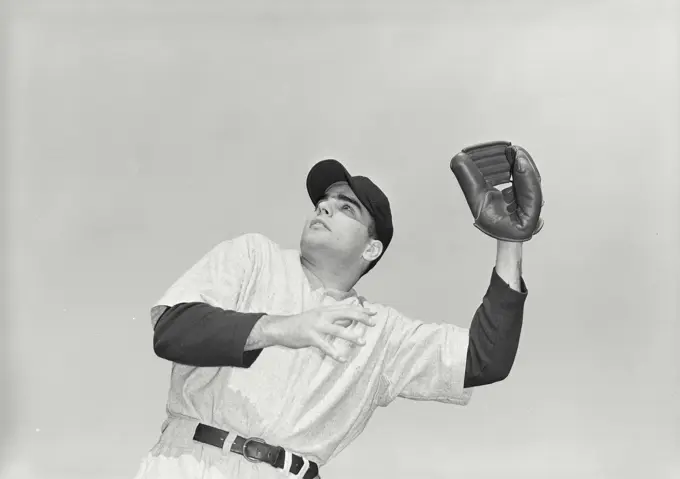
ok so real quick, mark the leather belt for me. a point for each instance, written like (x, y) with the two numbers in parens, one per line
(254, 449)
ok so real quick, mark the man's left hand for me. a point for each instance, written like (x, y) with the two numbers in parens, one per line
(514, 214)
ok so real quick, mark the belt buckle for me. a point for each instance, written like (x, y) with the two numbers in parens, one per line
(245, 444)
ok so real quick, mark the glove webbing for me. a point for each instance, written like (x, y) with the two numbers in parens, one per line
(494, 159)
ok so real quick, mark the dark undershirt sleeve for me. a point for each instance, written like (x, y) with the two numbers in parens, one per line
(494, 333)
(198, 334)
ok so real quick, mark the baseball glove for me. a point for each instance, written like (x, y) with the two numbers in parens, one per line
(513, 214)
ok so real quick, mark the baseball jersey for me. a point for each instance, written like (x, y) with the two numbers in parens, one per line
(299, 399)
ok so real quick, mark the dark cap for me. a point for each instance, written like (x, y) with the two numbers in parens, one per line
(326, 172)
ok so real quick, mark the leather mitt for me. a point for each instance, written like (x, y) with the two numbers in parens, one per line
(513, 214)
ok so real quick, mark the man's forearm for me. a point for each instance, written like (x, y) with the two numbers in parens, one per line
(497, 324)
(198, 334)
(509, 263)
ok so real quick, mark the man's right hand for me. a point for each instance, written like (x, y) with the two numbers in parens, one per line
(310, 328)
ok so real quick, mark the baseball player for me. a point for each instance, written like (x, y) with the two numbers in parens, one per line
(278, 363)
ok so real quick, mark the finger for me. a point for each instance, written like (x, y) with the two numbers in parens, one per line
(509, 197)
(336, 308)
(348, 310)
(361, 315)
(325, 347)
(346, 334)
(527, 185)
(344, 322)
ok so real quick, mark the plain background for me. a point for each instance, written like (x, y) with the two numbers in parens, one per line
(138, 134)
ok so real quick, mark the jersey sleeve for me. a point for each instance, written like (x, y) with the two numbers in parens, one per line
(425, 361)
(215, 279)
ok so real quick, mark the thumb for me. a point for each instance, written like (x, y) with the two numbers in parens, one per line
(527, 185)
(526, 162)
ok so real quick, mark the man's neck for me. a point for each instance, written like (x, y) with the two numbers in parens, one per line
(322, 277)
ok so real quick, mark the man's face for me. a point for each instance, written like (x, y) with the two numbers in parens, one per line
(339, 225)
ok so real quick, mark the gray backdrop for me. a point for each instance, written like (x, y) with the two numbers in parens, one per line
(139, 133)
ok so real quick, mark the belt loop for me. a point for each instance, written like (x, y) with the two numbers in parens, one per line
(288, 460)
(231, 437)
(304, 468)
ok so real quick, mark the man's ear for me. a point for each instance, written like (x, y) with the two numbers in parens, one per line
(373, 250)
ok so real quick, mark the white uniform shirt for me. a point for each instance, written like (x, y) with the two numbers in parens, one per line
(299, 399)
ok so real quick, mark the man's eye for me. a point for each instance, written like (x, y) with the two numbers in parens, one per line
(347, 207)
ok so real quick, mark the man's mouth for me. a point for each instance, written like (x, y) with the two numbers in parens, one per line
(318, 222)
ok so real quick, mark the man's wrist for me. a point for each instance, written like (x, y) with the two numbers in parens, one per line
(510, 247)
(264, 334)
(509, 263)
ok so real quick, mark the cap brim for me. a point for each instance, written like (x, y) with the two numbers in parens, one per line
(323, 175)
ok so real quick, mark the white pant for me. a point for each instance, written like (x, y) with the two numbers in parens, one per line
(188, 467)
(177, 456)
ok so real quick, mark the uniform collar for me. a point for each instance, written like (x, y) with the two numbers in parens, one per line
(336, 294)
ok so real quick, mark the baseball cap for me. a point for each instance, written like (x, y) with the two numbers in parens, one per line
(326, 172)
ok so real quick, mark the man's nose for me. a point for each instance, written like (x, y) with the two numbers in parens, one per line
(325, 208)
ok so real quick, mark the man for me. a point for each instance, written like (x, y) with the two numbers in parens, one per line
(278, 363)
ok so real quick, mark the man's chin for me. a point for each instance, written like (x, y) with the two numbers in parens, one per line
(315, 237)
(315, 240)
